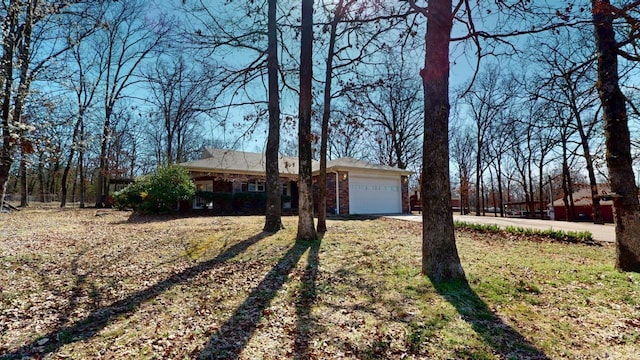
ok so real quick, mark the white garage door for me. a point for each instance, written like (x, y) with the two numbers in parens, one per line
(374, 195)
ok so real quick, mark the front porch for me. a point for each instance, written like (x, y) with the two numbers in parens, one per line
(227, 193)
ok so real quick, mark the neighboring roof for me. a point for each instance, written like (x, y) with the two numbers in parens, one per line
(582, 196)
(346, 164)
(240, 162)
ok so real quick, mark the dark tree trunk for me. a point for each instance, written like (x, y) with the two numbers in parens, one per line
(484, 197)
(3, 187)
(273, 215)
(67, 168)
(493, 194)
(83, 188)
(572, 204)
(440, 260)
(24, 184)
(595, 196)
(10, 23)
(500, 195)
(326, 114)
(531, 202)
(617, 139)
(41, 180)
(306, 227)
(464, 191)
(541, 196)
(74, 186)
(52, 181)
(101, 183)
(478, 176)
(566, 179)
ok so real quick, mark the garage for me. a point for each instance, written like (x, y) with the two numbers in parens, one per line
(374, 194)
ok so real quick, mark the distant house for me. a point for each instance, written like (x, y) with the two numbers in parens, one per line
(353, 186)
(416, 205)
(583, 208)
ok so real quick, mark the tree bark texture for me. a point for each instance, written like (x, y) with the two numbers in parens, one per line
(306, 226)
(273, 216)
(593, 183)
(24, 183)
(617, 139)
(440, 260)
(9, 42)
(72, 151)
(326, 114)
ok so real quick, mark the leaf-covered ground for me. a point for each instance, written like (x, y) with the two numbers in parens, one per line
(76, 285)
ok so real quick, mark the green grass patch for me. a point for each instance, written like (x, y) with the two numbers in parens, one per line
(584, 237)
(219, 286)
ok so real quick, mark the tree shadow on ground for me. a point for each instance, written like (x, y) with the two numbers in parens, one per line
(98, 319)
(304, 303)
(137, 218)
(506, 341)
(233, 336)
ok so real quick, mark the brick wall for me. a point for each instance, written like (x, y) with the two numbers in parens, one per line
(404, 184)
(343, 192)
(331, 193)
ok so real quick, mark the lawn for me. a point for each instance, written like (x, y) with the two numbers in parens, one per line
(76, 285)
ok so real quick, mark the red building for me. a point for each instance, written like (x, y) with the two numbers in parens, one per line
(583, 208)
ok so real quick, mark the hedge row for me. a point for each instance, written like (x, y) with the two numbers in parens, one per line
(240, 201)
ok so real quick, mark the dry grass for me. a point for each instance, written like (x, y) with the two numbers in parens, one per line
(75, 285)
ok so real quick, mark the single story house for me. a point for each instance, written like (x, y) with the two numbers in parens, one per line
(353, 186)
(416, 205)
(583, 208)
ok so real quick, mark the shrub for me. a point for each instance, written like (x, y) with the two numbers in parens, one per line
(246, 202)
(254, 201)
(160, 192)
(131, 196)
(220, 200)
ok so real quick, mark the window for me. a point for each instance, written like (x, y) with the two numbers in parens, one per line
(204, 187)
(256, 186)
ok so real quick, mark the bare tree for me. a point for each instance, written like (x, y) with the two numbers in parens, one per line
(179, 93)
(273, 215)
(347, 134)
(568, 62)
(440, 260)
(227, 29)
(392, 110)
(461, 150)
(339, 65)
(486, 100)
(306, 226)
(497, 148)
(326, 114)
(25, 26)
(85, 89)
(619, 160)
(125, 40)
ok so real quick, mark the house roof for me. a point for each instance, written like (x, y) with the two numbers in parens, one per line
(346, 164)
(240, 162)
(582, 196)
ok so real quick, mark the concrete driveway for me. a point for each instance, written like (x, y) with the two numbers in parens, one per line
(600, 232)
